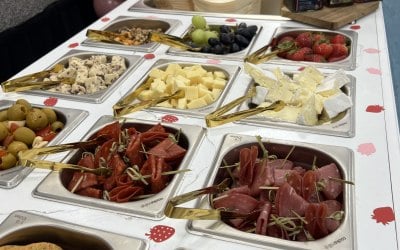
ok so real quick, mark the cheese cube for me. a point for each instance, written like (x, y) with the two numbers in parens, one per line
(191, 92)
(219, 74)
(196, 103)
(203, 91)
(208, 98)
(308, 114)
(157, 73)
(146, 94)
(172, 68)
(219, 83)
(208, 81)
(182, 102)
(165, 104)
(158, 86)
(216, 93)
(185, 80)
(288, 114)
(178, 85)
(261, 93)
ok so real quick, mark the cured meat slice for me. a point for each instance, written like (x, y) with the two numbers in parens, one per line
(103, 152)
(87, 161)
(263, 176)
(332, 207)
(123, 179)
(332, 188)
(247, 158)
(281, 164)
(152, 138)
(309, 187)
(133, 150)
(117, 164)
(295, 180)
(262, 220)
(159, 181)
(125, 193)
(110, 131)
(110, 183)
(287, 200)
(315, 215)
(280, 176)
(168, 150)
(91, 192)
(82, 180)
(240, 189)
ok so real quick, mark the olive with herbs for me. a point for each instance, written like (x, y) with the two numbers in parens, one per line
(51, 114)
(3, 115)
(24, 103)
(3, 131)
(16, 146)
(17, 112)
(57, 126)
(36, 119)
(25, 135)
(7, 161)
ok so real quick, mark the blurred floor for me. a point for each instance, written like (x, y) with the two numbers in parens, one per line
(391, 9)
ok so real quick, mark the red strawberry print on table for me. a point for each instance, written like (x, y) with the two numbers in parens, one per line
(383, 215)
(313, 47)
(160, 233)
(51, 101)
(73, 45)
(169, 118)
(149, 56)
(105, 19)
(374, 108)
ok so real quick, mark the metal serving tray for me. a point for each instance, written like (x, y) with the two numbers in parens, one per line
(52, 186)
(131, 62)
(22, 228)
(345, 127)
(166, 25)
(238, 56)
(70, 117)
(343, 238)
(347, 64)
(230, 71)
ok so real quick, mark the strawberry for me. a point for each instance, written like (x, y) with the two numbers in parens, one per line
(160, 233)
(304, 40)
(285, 39)
(323, 49)
(314, 58)
(299, 54)
(339, 50)
(319, 38)
(336, 58)
(341, 39)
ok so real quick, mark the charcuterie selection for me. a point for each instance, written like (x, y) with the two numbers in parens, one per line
(23, 126)
(293, 200)
(142, 163)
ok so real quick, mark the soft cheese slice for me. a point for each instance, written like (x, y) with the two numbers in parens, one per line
(308, 114)
(260, 76)
(336, 104)
(332, 84)
(288, 113)
(261, 94)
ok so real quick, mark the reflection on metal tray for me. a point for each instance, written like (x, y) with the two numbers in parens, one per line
(345, 127)
(348, 63)
(70, 117)
(229, 70)
(131, 62)
(23, 228)
(239, 56)
(52, 186)
(343, 237)
(166, 25)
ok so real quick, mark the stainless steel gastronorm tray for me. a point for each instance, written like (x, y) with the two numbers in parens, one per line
(22, 228)
(347, 64)
(238, 56)
(70, 117)
(131, 62)
(230, 71)
(52, 186)
(345, 127)
(166, 25)
(343, 237)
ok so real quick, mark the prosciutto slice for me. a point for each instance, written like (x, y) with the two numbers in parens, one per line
(110, 131)
(103, 152)
(263, 176)
(87, 161)
(248, 158)
(117, 165)
(332, 207)
(309, 187)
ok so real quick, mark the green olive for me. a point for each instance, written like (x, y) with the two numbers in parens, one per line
(3, 131)
(16, 112)
(3, 115)
(24, 103)
(51, 114)
(57, 126)
(7, 161)
(25, 135)
(36, 119)
(16, 146)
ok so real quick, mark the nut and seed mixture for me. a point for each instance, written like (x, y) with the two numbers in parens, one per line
(135, 35)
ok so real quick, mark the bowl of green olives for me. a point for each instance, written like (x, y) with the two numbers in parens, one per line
(24, 126)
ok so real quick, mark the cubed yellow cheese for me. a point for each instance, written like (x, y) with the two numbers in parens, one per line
(182, 102)
(219, 74)
(219, 83)
(208, 98)
(157, 73)
(146, 94)
(196, 103)
(172, 68)
(158, 86)
(191, 92)
(165, 104)
(207, 81)
(216, 93)
(178, 85)
(203, 91)
(185, 80)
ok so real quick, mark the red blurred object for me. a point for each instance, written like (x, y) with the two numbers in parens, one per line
(102, 7)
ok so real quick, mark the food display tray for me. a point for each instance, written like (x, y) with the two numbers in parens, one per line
(345, 127)
(22, 228)
(152, 208)
(167, 25)
(230, 70)
(70, 117)
(237, 56)
(347, 64)
(131, 61)
(343, 237)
